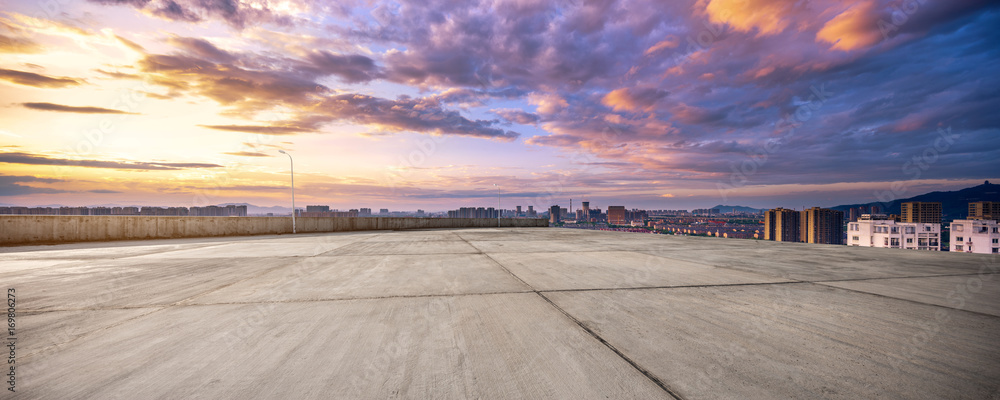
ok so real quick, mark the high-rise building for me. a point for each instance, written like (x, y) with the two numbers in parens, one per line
(586, 210)
(554, 214)
(782, 225)
(616, 215)
(876, 231)
(985, 210)
(383, 211)
(921, 212)
(317, 208)
(821, 225)
(531, 212)
(975, 236)
(518, 211)
(365, 212)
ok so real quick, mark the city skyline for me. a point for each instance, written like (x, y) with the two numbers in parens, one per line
(425, 106)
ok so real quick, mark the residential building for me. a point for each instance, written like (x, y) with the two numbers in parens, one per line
(878, 231)
(616, 215)
(317, 208)
(921, 212)
(782, 225)
(985, 210)
(821, 225)
(975, 236)
(554, 214)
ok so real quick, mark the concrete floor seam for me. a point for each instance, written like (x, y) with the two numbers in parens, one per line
(611, 347)
(903, 277)
(593, 334)
(906, 300)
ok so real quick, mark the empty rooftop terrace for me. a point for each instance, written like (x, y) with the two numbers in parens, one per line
(501, 313)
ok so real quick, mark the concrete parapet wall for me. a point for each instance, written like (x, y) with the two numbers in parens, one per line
(40, 229)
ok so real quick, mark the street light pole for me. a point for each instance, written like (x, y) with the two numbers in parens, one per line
(498, 205)
(292, 164)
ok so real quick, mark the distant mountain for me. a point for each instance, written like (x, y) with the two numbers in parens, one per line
(954, 205)
(735, 209)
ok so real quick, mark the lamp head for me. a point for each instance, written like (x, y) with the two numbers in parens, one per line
(282, 152)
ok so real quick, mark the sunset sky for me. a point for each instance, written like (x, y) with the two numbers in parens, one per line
(426, 104)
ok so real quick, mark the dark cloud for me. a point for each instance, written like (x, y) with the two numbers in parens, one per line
(409, 115)
(103, 191)
(233, 12)
(34, 159)
(352, 68)
(202, 48)
(9, 185)
(71, 109)
(36, 80)
(518, 116)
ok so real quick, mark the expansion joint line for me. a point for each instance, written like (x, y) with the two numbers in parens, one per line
(590, 332)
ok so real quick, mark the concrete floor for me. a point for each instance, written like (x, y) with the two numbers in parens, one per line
(501, 313)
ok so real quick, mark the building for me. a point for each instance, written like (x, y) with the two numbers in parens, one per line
(821, 225)
(783, 225)
(365, 212)
(216, 211)
(877, 231)
(586, 211)
(554, 214)
(616, 215)
(531, 212)
(920, 212)
(317, 208)
(975, 236)
(985, 210)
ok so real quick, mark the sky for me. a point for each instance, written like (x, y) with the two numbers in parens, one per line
(428, 104)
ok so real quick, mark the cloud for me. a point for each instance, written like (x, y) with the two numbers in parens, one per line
(10, 44)
(351, 68)
(766, 17)
(852, 29)
(267, 130)
(517, 116)
(130, 44)
(248, 154)
(103, 191)
(634, 99)
(9, 185)
(118, 75)
(36, 80)
(202, 48)
(234, 12)
(71, 109)
(34, 159)
(409, 115)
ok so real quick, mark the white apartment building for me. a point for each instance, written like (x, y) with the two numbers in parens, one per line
(975, 236)
(876, 231)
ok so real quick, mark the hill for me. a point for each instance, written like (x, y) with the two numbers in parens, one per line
(954, 204)
(735, 209)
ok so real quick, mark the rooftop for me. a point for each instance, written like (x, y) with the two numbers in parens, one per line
(497, 313)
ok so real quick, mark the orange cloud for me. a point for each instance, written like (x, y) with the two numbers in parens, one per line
(768, 17)
(669, 43)
(852, 29)
(633, 99)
